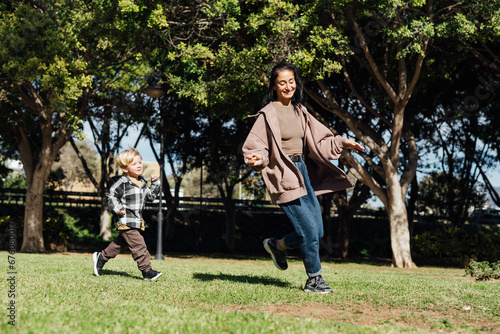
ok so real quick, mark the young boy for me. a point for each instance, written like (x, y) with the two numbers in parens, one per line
(126, 200)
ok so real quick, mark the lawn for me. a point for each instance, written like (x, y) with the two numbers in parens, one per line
(58, 293)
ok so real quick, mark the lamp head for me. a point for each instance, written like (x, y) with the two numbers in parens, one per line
(154, 89)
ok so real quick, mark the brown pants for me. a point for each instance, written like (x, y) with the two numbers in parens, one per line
(134, 240)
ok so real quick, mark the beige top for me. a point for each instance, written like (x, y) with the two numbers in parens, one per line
(292, 133)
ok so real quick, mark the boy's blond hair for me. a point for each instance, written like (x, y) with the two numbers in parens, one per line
(127, 157)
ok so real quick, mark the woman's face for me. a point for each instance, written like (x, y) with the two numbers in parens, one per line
(285, 86)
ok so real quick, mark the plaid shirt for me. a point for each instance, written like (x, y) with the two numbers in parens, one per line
(125, 194)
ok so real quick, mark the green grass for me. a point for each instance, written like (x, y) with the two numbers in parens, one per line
(59, 294)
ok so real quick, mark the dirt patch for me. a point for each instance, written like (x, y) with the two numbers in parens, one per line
(365, 314)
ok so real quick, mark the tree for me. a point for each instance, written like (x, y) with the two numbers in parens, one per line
(54, 55)
(113, 113)
(182, 127)
(391, 49)
(474, 25)
(223, 138)
(454, 114)
(435, 192)
(460, 148)
(316, 35)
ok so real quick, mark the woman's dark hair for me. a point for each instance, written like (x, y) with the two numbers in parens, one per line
(299, 90)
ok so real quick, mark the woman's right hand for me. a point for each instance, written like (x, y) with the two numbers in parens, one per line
(255, 160)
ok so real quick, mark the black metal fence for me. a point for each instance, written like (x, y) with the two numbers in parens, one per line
(92, 199)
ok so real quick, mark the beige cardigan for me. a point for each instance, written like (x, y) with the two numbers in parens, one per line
(283, 180)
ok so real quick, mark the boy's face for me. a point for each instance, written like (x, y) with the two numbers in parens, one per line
(134, 169)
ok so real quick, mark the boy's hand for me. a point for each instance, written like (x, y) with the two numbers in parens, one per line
(154, 177)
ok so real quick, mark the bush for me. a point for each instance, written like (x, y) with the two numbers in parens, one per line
(455, 245)
(483, 270)
(71, 228)
(11, 218)
(63, 228)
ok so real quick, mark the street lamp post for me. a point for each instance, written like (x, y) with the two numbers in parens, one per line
(159, 244)
(155, 90)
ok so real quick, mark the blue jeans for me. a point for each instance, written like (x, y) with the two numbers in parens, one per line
(305, 215)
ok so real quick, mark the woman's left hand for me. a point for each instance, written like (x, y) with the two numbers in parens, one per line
(353, 146)
(154, 177)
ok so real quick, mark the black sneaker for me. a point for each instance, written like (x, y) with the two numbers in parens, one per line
(317, 284)
(98, 263)
(278, 256)
(150, 274)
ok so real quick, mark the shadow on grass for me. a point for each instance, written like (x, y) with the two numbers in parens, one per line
(241, 279)
(106, 272)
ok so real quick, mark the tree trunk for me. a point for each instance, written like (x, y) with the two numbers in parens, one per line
(398, 221)
(37, 164)
(230, 213)
(37, 169)
(326, 242)
(171, 213)
(173, 206)
(104, 222)
(105, 225)
(346, 210)
(345, 219)
(33, 218)
(33, 213)
(105, 231)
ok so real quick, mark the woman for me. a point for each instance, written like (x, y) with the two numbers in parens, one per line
(293, 150)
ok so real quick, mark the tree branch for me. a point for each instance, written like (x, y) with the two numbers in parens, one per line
(84, 163)
(371, 61)
(361, 99)
(361, 173)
